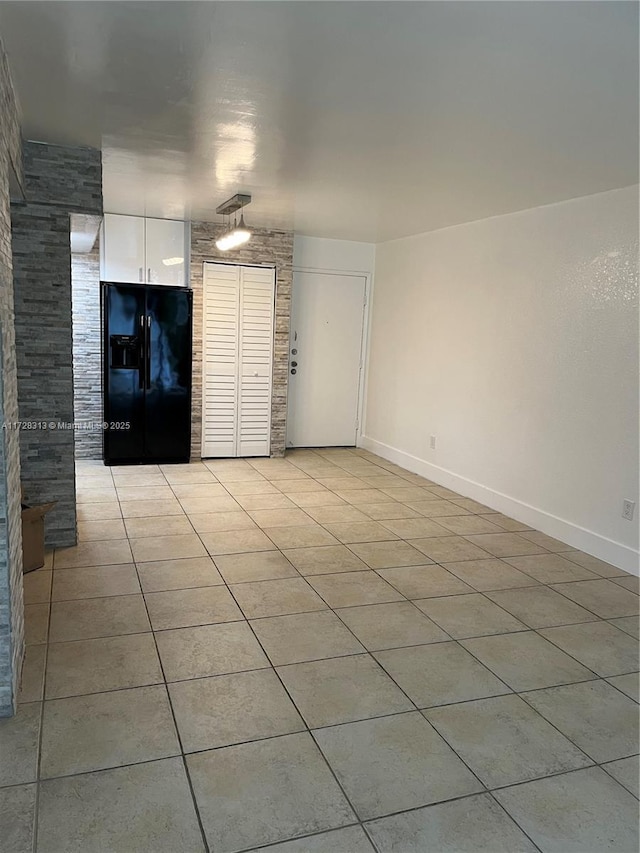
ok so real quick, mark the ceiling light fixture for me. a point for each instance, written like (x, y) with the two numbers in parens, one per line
(239, 234)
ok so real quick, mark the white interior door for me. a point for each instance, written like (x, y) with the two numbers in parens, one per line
(238, 322)
(325, 350)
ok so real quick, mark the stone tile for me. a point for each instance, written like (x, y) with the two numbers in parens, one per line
(360, 531)
(394, 763)
(209, 650)
(215, 522)
(490, 574)
(433, 508)
(468, 525)
(439, 674)
(626, 771)
(386, 555)
(112, 528)
(526, 661)
(472, 506)
(101, 494)
(593, 564)
(505, 741)
(109, 553)
(197, 490)
(602, 647)
(95, 582)
(342, 690)
(472, 615)
(236, 542)
(629, 624)
(298, 486)
(505, 544)
(550, 568)
(84, 733)
(161, 526)
(406, 493)
(37, 586)
(304, 536)
(602, 597)
(144, 807)
(142, 509)
(152, 548)
(582, 812)
(228, 709)
(390, 626)
(593, 715)
(540, 606)
(632, 583)
(351, 839)
(17, 818)
(98, 617)
(629, 684)
(268, 501)
(196, 506)
(390, 510)
(126, 494)
(351, 588)
(424, 581)
(444, 548)
(97, 512)
(240, 475)
(545, 541)
(314, 499)
(107, 663)
(342, 483)
(19, 737)
(250, 487)
(257, 566)
(325, 559)
(505, 522)
(265, 791)
(165, 575)
(36, 623)
(475, 824)
(331, 514)
(188, 477)
(276, 598)
(412, 528)
(362, 496)
(183, 608)
(32, 680)
(305, 637)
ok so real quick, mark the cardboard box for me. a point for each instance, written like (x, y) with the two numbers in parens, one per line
(33, 535)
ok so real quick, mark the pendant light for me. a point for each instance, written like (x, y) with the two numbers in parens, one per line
(239, 234)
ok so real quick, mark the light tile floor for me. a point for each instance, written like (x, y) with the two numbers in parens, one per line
(318, 654)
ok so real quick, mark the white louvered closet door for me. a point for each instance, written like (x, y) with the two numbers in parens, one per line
(238, 305)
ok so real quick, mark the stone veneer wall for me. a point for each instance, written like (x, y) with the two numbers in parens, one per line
(87, 360)
(265, 247)
(58, 181)
(11, 588)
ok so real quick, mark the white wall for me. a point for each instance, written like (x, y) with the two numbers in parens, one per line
(338, 255)
(514, 340)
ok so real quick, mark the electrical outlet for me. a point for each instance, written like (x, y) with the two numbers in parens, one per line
(432, 442)
(628, 508)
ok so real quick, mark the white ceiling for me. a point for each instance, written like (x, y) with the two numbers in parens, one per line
(361, 121)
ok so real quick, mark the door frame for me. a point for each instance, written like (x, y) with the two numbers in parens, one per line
(364, 339)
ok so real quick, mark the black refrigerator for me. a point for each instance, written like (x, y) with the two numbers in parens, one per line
(146, 355)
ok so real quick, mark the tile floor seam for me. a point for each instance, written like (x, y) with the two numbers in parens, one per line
(177, 730)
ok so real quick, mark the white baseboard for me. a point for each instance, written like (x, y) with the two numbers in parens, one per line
(599, 546)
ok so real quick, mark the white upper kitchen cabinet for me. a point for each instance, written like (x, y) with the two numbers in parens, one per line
(122, 248)
(165, 251)
(150, 251)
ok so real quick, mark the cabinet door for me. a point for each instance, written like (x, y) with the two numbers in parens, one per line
(123, 249)
(165, 245)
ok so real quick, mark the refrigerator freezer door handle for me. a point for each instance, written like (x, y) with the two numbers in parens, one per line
(148, 358)
(141, 354)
